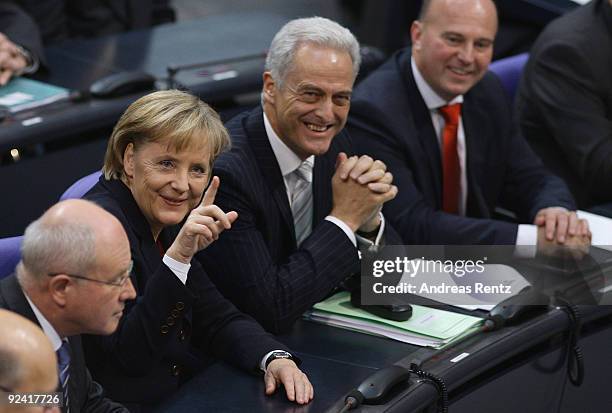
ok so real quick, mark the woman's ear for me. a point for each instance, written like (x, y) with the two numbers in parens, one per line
(128, 160)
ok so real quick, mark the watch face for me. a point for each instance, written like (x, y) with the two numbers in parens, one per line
(278, 355)
(281, 354)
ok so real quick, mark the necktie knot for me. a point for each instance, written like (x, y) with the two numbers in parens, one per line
(451, 113)
(304, 171)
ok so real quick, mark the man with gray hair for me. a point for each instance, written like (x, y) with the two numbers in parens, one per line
(27, 361)
(304, 204)
(73, 278)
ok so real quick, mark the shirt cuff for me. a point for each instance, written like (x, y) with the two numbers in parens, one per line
(178, 268)
(381, 229)
(262, 363)
(526, 241)
(343, 227)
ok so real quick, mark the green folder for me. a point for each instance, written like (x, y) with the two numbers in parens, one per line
(427, 326)
(22, 93)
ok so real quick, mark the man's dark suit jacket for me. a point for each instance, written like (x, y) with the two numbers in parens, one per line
(390, 121)
(257, 263)
(165, 334)
(564, 103)
(86, 395)
(34, 23)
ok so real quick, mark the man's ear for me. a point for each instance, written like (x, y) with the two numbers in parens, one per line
(416, 30)
(58, 289)
(269, 87)
(128, 160)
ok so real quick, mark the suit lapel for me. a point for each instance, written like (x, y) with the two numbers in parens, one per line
(472, 116)
(139, 225)
(15, 299)
(321, 189)
(426, 134)
(260, 145)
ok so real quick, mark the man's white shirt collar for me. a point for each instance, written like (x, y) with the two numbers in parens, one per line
(431, 98)
(46, 326)
(287, 159)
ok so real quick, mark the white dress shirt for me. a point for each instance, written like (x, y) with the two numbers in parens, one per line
(47, 328)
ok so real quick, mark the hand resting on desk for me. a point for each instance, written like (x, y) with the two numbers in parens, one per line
(561, 231)
(296, 383)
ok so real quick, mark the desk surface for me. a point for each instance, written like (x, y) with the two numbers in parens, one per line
(338, 360)
(197, 41)
(335, 360)
(76, 64)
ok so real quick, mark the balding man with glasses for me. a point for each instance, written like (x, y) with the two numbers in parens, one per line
(73, 279)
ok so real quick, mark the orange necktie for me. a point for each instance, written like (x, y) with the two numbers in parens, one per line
(451, 170)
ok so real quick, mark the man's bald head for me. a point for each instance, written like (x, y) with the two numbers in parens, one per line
(27, 360)
(67, 238)
(426, 7)
(75, 267)
(452, 45)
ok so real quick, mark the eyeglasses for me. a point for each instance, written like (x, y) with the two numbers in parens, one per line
(119, 282)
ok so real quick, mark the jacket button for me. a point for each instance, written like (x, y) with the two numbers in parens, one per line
(175, 313)
(176, 370)
(182, 335)
(164, 329)
(180, 305)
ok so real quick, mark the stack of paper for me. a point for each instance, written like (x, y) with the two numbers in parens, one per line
(22, 93)
(428, 327)
(493, 274)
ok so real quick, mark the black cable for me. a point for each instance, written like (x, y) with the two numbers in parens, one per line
(349, 403)
(438, 382)
(353, 400)
(575, 361)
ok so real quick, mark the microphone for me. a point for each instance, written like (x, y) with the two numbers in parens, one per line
(377, 388)
(527, 303)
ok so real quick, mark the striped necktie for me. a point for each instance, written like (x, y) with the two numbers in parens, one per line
(63, 364)
(301, 200)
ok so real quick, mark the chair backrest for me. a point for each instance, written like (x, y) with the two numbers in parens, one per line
(10, 248)
(509, 71)
(10, 254)
(80, 187)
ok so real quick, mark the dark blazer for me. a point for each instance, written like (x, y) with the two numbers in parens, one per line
(34, 23)
(390, 121)
(564, 102)
(85, 394)
(166, 334)
(257, 264)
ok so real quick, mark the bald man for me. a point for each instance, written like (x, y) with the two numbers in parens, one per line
(441, 123)
(73, 278)
(27, 361)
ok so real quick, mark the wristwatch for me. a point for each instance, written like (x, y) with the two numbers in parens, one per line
(278, 354)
